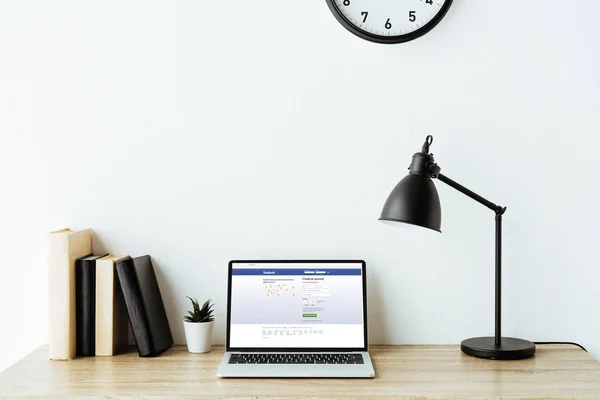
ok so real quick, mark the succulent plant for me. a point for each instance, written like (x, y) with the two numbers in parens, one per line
(200, 314)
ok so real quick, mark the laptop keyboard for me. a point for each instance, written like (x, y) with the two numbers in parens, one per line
(295, 358)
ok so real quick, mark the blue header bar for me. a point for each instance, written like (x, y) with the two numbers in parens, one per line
(292, 271)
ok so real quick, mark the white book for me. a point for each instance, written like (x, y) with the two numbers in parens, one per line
(66, 247)
(112, 323)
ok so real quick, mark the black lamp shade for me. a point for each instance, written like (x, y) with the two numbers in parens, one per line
(414, 201)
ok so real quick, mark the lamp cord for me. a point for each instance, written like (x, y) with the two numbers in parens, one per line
(572, 343)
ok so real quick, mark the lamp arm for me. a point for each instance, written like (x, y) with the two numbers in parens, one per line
(499, 210)
(423, 163)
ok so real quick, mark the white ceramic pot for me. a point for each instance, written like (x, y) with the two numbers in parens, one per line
(198, 336)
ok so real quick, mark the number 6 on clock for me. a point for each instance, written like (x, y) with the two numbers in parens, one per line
(389, 21)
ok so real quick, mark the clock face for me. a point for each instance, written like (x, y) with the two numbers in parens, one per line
(389, 21)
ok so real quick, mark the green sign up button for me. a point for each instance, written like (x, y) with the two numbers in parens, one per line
(309, 315)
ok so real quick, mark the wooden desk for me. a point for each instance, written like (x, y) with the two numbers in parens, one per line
(409, 372)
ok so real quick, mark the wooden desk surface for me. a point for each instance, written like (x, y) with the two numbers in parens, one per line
(408, 372)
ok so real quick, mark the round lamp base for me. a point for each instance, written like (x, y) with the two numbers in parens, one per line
(509, 348)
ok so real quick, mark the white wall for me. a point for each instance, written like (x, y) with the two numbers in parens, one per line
(203, 131)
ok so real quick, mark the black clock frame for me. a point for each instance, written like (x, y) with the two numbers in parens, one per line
(388, 39)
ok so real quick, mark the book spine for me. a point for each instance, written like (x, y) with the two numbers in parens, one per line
(105, 326)
(155, 308)
(58, 297)
(85, 293)
(138, 318)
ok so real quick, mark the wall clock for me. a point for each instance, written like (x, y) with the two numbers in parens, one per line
(389, 21)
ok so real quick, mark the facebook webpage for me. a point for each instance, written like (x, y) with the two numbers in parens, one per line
(296, 305)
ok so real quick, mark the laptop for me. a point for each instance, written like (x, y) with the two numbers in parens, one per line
(297, 318)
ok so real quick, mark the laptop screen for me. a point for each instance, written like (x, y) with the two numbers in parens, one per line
(288, 305)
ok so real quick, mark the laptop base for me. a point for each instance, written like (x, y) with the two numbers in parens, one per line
(227, 370)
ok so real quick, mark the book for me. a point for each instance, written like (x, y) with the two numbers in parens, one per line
(85, 305)
(111, 316)
(65, 246)
(144, 304)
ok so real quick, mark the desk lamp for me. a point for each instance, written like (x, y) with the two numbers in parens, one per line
(415, 201)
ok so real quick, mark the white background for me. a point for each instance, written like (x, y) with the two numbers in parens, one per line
(200, 132)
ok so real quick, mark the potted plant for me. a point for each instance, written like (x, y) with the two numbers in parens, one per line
(198, 325)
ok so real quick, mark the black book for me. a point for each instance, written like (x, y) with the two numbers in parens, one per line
(85, 306)
(144, 304)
